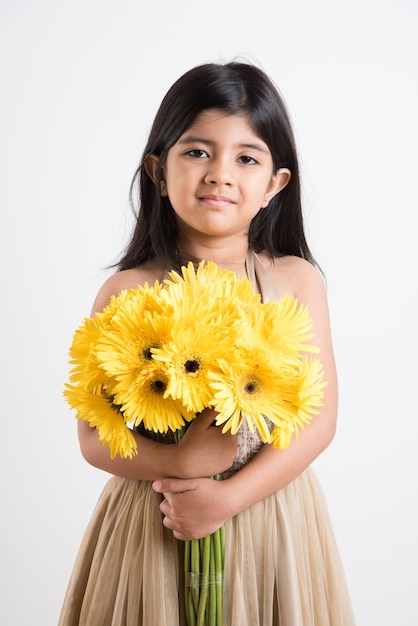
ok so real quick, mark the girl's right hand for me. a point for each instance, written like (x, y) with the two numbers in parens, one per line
(204, 449)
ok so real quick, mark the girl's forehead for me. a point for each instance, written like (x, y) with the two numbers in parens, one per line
(220, 122)
(214, 116)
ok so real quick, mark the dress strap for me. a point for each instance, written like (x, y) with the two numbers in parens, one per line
(261, 281)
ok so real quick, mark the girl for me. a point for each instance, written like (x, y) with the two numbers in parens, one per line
(218, 181)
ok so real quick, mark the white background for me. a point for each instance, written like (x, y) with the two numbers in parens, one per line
(80, 84)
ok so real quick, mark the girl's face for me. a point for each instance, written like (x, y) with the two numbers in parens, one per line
(218, 175)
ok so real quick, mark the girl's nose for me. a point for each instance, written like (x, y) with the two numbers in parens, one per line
(218, 173)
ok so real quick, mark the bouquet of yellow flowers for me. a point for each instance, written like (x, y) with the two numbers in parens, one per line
(159, 355)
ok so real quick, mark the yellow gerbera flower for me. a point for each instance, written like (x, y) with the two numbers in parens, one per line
(191, 353)
(309, 389)
(247, 387)
(217, 287)
(124, 349)
(146, 401)
(86, 369)
(99, 410)
(308, 395)
(283, 326)
(291, 325)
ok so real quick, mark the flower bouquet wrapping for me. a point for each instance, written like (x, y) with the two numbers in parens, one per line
(159, 355)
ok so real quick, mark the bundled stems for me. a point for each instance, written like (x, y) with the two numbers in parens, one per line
(203, 567)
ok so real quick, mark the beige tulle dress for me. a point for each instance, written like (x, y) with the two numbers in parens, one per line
(282, 565)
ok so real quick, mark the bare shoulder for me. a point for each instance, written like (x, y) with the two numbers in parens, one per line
(294, 276)
(127, 279)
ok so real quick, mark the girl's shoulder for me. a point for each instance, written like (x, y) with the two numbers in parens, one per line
(127, 279)
(292, 275)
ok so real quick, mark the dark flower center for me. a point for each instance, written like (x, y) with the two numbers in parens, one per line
(147, 354)
(192, 366)
(158, 387)
(251, 386)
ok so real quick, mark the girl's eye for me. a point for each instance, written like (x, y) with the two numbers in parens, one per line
(247, 160)
(197, 153)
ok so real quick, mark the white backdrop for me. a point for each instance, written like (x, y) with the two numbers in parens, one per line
(80, 84)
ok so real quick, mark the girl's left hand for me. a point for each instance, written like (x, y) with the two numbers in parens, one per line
(192, 508)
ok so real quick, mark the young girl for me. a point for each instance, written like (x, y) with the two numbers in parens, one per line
(218, 181)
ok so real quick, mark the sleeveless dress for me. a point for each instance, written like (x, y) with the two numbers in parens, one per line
(282, 565)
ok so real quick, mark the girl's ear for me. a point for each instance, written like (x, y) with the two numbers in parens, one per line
(151, 164)
(277, 183)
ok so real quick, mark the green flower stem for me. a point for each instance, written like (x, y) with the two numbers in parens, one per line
(219, 572)
(204, 581)
(222, 537)
(188, 600)
(212, 587)
(191, 613)
(195, 572)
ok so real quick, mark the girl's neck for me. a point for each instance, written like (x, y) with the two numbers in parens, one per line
(226, 256)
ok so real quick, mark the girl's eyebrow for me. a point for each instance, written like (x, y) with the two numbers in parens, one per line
(196, 139)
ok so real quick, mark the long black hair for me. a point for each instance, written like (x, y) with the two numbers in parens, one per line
(234, 88)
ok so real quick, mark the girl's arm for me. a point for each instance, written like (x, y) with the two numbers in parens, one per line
(203, 451)
(195, 508)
